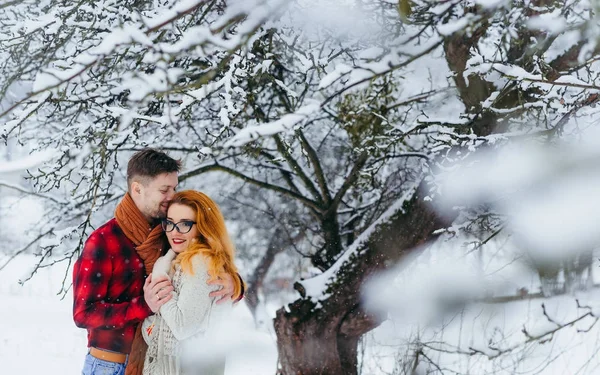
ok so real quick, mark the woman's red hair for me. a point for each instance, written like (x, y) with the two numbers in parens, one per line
(213, 241)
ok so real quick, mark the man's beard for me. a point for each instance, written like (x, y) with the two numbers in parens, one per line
(158, 214)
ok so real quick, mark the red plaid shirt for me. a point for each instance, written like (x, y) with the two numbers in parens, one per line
(108, 281)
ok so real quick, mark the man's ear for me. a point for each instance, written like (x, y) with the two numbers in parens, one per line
(136, 189)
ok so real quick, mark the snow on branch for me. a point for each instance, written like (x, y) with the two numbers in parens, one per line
(316, 287)
(285, 123)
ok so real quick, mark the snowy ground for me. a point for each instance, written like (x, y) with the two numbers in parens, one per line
(37, 333)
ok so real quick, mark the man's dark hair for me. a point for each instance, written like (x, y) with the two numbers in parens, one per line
(149, 163)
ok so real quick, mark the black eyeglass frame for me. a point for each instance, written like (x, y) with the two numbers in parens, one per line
(166, 222)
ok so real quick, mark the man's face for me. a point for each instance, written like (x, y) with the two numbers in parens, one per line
(154, 196)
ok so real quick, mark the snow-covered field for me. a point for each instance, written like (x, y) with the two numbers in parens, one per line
(37, 333)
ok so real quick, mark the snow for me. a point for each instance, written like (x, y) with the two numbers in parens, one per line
(339, 71)
(371, 53)
(562, 43)
(30, 161)
(286, 122)
(570, 80)
(492, 4)
(126, 34)
(21, 116)
(587, 50)
(36, 322)
(57, 238)
(553, 22)
(177, 9)
(549, 193)
(553, 219)
(450, 28)
(424, 299)
(316, 287)
(340, 19)
(549, 196)
(47, 22)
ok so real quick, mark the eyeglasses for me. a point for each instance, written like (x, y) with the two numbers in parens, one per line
(184, 226)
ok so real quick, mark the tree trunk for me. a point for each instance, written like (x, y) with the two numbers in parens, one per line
(307, 345)
(333, 242)
(278, 242)
(317, 340)
(348, 353)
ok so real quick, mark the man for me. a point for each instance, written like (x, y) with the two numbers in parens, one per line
(111, 298)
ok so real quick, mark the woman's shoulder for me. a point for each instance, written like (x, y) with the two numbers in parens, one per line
(199, 263)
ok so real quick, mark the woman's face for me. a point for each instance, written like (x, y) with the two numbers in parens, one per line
(180, 218)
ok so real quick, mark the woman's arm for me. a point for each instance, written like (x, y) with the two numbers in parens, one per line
(186, 313)
(147, 328)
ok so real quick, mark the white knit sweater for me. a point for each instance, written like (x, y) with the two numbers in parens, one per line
(181, 323)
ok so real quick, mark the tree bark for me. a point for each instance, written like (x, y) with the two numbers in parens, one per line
(323, 339)
(333, 242)
(307, 344)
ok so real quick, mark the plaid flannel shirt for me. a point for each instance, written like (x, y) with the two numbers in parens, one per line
(108, 280)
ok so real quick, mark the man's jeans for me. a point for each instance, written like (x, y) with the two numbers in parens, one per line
(95, 366)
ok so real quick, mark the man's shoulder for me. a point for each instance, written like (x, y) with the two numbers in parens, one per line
(109, 237)
(106, 228)
(110, 229)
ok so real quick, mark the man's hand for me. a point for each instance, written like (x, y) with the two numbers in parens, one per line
(226, 291)
(157, 291)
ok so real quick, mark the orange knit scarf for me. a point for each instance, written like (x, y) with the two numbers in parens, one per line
(149, 243)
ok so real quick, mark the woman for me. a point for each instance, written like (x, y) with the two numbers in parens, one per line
(200, 251)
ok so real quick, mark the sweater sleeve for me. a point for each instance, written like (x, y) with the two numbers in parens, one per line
(91, 277)
(163, 264)
(148, 326)
(187, 313)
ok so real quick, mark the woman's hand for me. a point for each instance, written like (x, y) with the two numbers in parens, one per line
(157, 291)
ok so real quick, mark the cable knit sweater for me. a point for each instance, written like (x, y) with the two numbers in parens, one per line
(181, 324)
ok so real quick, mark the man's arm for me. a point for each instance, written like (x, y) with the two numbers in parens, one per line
(91, 276)
(226, 291)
